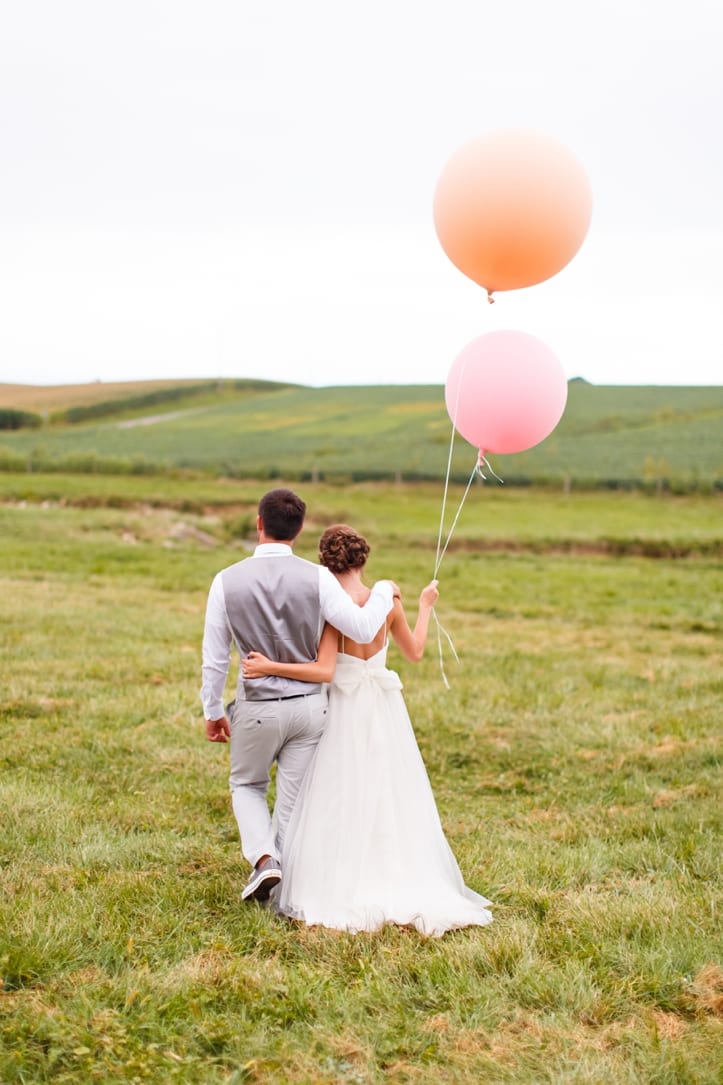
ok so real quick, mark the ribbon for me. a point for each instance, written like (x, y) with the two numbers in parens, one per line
(349, 677)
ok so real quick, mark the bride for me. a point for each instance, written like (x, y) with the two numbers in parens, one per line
(365, 845)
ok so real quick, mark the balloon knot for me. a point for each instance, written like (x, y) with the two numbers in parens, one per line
(490, 299)
(482, 461)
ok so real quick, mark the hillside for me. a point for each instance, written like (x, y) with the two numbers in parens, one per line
(608, 436)
(77, 402)
(59, 397)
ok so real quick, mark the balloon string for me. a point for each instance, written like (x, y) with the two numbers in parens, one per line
(475, 470)
(439, 650)
(438, 556)
(437, 559)
(438, 562)
(440, 631)
(440, 553)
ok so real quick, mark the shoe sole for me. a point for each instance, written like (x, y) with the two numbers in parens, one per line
(260, 888)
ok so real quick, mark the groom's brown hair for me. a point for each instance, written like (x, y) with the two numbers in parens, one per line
(282, 513)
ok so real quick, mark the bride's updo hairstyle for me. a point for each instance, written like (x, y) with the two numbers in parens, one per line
(342, 548)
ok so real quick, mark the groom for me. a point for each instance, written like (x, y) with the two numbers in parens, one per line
(275, 603)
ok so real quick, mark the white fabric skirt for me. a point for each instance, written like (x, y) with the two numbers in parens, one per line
(365, 845)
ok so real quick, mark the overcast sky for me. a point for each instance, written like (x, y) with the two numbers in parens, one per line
(226, 188)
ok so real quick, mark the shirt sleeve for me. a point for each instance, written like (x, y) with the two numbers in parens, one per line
(338, 609)
(216, 652)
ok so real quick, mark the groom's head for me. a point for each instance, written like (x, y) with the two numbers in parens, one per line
(281, 515)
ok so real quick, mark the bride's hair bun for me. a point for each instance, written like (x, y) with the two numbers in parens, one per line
(342, 548)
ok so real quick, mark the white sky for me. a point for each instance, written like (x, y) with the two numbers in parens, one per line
(227, 188)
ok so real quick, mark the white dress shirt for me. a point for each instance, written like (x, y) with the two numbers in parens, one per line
(337, 608)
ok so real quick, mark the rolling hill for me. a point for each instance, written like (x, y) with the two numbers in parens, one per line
(609, 435)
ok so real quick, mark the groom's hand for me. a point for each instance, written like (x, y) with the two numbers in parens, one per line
(396, 594)
(218, 730)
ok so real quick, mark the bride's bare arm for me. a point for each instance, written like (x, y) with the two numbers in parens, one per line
(411, 641)
(257, 665)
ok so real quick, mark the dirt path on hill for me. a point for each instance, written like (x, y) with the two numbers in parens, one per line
(151, 419)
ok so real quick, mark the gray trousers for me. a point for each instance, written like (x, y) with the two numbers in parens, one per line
(264, 732)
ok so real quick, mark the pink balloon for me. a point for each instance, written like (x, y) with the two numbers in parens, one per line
(506, 392)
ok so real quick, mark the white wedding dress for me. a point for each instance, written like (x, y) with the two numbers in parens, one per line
(365, 845)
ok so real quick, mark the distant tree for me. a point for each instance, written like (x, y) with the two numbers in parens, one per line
(10, 418)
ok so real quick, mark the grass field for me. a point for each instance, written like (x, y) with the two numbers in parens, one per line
(608, 436)
(575, 760)
(491, 517)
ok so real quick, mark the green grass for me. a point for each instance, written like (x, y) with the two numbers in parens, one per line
(609, 436)
(575, 760)
(492, 516)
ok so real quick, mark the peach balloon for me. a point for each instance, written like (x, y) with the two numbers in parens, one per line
(506, 391)
(512, 208)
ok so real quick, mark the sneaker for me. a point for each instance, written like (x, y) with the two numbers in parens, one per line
(263, 879)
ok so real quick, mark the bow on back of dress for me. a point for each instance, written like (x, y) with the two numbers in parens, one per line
(352, 672)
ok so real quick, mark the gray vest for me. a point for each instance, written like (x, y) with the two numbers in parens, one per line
(272, 606)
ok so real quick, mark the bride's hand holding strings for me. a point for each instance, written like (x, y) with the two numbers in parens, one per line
(429, 595)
